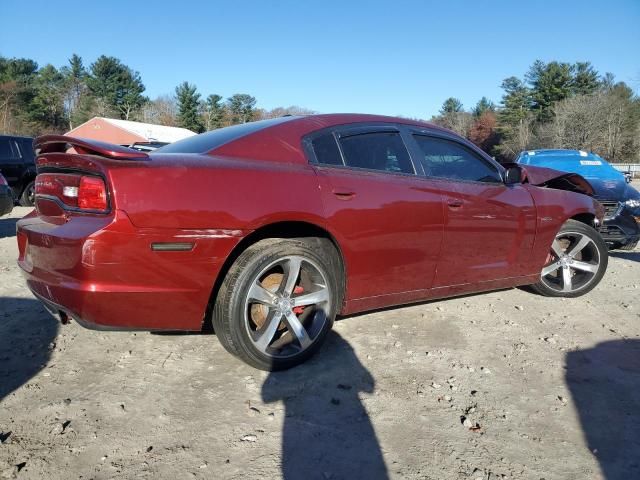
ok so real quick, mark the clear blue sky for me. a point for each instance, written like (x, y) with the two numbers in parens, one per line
(389, 57)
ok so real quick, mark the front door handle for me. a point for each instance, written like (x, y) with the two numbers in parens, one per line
(454, 204)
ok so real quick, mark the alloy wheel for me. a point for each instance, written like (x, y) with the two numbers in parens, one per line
(286, 306)
(572, 264)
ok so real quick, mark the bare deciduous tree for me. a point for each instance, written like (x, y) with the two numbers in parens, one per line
(161, 111)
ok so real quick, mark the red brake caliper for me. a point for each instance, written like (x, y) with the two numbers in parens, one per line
(298, 310)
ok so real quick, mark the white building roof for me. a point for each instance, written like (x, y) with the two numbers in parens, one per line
(156, 133)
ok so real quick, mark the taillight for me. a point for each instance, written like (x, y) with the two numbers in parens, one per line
(92, 194)
(81, 192)
(3, 181)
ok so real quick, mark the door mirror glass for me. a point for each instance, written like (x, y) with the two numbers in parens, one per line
(512, 176)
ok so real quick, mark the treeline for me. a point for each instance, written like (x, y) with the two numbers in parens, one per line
(35, 100)
(556, 105)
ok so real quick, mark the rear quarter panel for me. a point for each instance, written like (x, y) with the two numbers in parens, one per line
(201, 192)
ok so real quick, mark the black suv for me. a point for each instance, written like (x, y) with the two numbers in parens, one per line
(17, 164)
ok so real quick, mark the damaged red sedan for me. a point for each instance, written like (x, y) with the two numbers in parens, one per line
(270, 229)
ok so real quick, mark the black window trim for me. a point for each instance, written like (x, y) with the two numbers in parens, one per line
(482, 156)
(360, 128)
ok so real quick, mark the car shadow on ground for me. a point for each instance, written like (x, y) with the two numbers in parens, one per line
(605, 385)
(8, 227)
(326, 427)
(27, 336)
(633, 256)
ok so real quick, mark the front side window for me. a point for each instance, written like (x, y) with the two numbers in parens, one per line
(448, 159)
(377, 151)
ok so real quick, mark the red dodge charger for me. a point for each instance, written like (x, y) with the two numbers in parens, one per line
(270, 229)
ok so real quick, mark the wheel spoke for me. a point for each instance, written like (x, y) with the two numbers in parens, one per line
(550, 268)
(583, 242)
(312, 298)
(297, 329)
(566, 280)
(584, 266)
(268, 330)
(557, 248)
(292, 272)
(259, 294)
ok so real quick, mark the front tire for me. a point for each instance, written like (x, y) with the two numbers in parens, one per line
(576, 263)
(278, 301)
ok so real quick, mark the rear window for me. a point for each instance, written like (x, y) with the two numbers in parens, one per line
(377, 151)
(326, 150)
(205, 142)
(8, 149)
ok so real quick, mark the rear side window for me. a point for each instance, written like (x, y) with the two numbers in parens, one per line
(448, 159)
(26, 149)
(326, 150)
(8, 149)
(377, 151)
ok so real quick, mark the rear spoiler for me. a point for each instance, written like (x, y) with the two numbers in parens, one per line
(85, 146)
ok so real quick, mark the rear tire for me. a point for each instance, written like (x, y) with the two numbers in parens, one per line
(278, 301)
(577, 262)
(27, 199)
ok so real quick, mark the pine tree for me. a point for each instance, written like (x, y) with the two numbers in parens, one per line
(550, 83)
(585, 79)
(47, 106)
(214, 112)
(188, 102)
(483, 105)
(241, 107)
(75, 76)
(451, 105)
(117, 88)
(514, 118)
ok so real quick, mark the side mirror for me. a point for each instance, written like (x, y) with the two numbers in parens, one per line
(512, 176)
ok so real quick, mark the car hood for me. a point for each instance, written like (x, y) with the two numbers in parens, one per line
(548, 177)
(607, 182)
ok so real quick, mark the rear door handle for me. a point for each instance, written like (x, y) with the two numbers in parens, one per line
(343, 194)
(454, 204)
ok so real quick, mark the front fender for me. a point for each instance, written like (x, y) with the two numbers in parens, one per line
(553, 208)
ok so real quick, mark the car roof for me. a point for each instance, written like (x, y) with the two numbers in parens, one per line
(279, 140)
(23, 137)
(557, 153)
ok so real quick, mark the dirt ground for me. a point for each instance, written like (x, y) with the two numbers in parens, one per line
(505, 385)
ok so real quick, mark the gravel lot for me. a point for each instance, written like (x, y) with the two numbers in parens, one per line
(506, 385)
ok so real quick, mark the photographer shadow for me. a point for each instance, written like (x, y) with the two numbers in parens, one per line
(27, 333)
(605, 385)
(327, 432)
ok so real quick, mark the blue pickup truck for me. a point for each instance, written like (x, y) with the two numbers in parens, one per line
(621, 226)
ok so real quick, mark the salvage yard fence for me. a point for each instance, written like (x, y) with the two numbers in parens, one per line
(632, 168)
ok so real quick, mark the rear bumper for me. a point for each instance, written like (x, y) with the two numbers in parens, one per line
(102, 272)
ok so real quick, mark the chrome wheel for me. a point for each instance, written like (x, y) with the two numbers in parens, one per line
(572, 264)
(287, 306)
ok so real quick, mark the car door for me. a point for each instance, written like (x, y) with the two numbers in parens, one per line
(489, 226)
(389, 219)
